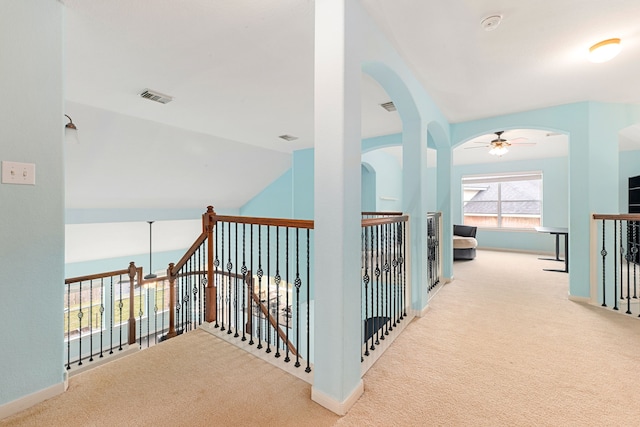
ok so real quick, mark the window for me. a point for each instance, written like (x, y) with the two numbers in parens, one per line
(511, 200)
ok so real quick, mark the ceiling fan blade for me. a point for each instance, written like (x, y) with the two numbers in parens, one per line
(471, 148)
(523, 143)
(517, 140)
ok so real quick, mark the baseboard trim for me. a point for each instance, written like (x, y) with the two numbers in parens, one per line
(28, 401)
(337, 407)
(585, 300)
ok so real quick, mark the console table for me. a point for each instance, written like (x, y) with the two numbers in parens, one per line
(558, 231)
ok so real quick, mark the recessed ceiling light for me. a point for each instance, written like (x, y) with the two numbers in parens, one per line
(288, 137)
(389, 106)
(605, 50)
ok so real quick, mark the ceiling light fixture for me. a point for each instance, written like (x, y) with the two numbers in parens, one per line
(605, 50)
(71, 132)
(499, 150)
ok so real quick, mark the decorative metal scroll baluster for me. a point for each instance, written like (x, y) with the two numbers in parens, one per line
(229, 293)
(634, 255)
(387, 279)
(80, 314)
(111, 318)
(394, 276)
(216, 264)
(374, 318)
(120, 305)
(277, 283)
(68, 326)
(155, 312)
(244, 285)
(251, 288)
(603, 252)
(298, 283)
(365, 279)
(288, 311)
(621, 262)
(308, 368)
(235, 283)
(222, 294)
(260, 273)
(101, 313)
(404, 267)
(90, 320)
(615, 264)
(267, 326)
(628, 258)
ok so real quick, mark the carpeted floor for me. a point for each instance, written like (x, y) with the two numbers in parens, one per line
(500, 346)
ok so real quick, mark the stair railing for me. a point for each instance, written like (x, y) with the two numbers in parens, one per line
(615, 259)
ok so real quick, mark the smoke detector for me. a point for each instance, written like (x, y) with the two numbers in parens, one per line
(490, 23)
(152, 95)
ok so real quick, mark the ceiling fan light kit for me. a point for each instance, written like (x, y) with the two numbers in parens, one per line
(605, 50)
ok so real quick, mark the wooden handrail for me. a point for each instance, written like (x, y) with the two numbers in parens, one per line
(176, 267)
(277, 222)
(623, 217)
(368, 222)
(383, 213)
(96, 276)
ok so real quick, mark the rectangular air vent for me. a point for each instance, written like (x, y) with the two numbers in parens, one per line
(389, 106)
(156, 96)
(288, 137)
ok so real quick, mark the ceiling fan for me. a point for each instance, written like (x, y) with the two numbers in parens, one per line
(499, 146)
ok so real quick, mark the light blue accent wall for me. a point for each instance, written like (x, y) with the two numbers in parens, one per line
(388, 180)
(555, 208)
(161, 261)
(32, 217)
(275, 201)
(96, 216)
(303, 180)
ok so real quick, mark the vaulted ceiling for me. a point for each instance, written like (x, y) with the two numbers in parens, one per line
(241, 74)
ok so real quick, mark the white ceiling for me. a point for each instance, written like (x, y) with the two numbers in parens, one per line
(241, 71)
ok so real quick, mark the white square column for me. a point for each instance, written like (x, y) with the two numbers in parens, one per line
(337, 281)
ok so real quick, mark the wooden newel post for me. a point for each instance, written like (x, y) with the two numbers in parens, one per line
(172, 302)
(211, 309)
(132, 317)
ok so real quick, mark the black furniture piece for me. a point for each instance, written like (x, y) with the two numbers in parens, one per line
(558, 231)
(464, 242)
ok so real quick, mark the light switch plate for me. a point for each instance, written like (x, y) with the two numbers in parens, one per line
(18, 173)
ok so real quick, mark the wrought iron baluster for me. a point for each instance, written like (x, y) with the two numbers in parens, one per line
(91, 320)
(277, 283)
(101, 313)
(308, 368)
(120, 305)
(374, 318)
(229, 295)
(216, 264)
(394, 276)
(141, 312)
(615, 264)
(603, 252)
(288, 309)
(155, 312)
(111, 317)
(298, 283)
(385, 280)
(634, 257)
(366, 259)
(235, 289)
(621, 250)
(222, 298)
(244, 284)
(628, 258)
(68, 326)
(252, 291)
(260, 273)
(80, 314)
(267, 323)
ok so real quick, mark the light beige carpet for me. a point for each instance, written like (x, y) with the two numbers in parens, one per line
(500, 346)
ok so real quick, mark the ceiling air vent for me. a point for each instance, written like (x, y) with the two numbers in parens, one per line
(389, 106)
(156, 96)
(288, 137)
